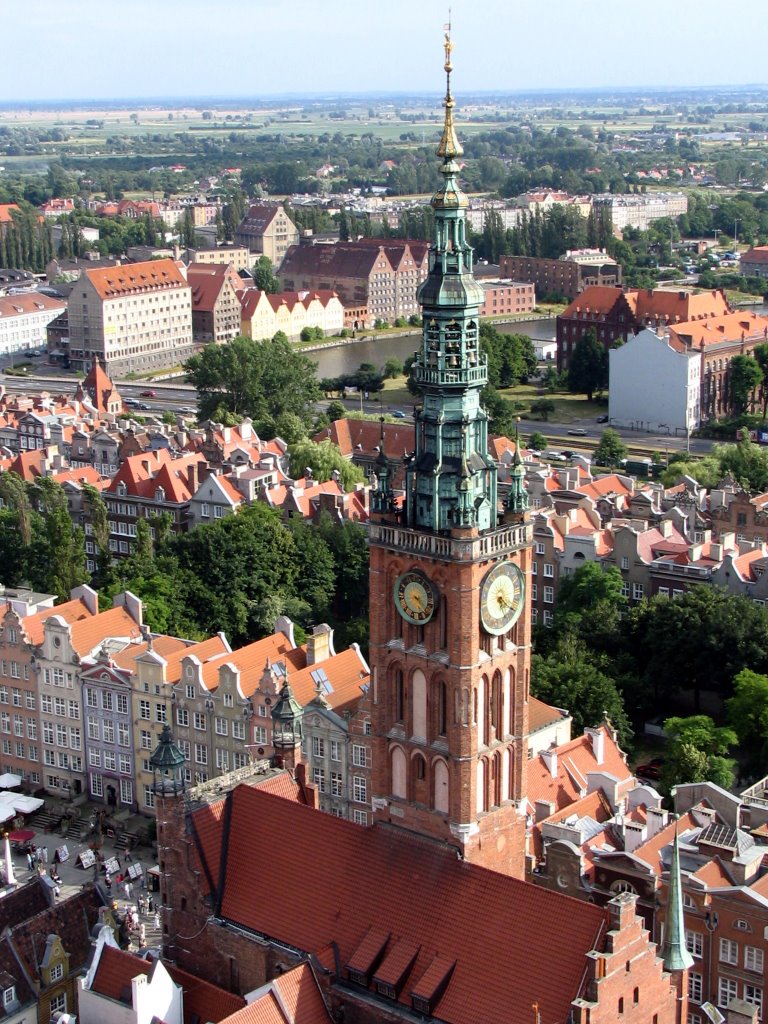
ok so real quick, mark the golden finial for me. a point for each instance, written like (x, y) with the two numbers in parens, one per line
(449, 144)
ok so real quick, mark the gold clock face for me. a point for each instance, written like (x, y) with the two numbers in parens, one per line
(415, 597)
(502, 598)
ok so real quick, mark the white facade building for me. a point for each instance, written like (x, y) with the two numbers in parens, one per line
(23, 320)
(654, 385)
(640, 211)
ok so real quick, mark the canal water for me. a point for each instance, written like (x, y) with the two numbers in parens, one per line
(337, 360)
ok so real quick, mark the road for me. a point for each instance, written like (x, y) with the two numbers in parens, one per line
(175, 397)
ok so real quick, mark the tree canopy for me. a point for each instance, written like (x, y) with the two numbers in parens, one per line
(697, 752)
(611, 449)
(259, 379)
(588, 365)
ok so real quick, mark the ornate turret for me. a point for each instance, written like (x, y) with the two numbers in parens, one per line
(451, 480)
(382, 496)
(516, 501)
(167, 763)
(287, 717)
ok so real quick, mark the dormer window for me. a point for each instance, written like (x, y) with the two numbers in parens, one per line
(57, 972)
(160, 494)
(121, 488)
(9, 996)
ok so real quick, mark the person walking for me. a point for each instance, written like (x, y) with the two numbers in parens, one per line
(30, 860)
(128, 889)
(157, 920)
(45, 855)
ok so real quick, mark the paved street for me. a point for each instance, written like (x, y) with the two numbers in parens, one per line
(73, 876)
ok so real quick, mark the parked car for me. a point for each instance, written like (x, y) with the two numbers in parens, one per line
(148, 394)
(651, 770)
(399, 414)
(578, 432)
(555, 456)
(602, 419)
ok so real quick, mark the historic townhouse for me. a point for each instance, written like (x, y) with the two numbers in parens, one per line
(157, 670)
(23, 622)
(263, 315)
(59, 656)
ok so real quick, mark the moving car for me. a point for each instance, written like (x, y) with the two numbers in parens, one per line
(578, 432)
(148, 394)
(602, 419)
(399, 414)
(555, 456)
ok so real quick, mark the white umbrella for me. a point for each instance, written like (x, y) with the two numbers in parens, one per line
(9, 781)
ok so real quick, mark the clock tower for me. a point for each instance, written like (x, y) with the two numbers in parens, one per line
(450, 601)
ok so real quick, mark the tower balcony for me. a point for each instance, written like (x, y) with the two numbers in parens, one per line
(455, 376)
(454, 549)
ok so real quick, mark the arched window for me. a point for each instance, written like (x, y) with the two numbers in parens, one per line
(419, 688)
(480, 711)
(441, 794)
(399, 771)
(509, 789)
(622, 885)
(496, 790)
(419, 768)
(482, 772)
(399, 696)
(442, 708)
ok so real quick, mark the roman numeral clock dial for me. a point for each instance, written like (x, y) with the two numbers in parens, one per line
(502, 598)
(415, 597)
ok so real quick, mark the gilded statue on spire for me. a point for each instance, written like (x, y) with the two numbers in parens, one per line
(449, 144)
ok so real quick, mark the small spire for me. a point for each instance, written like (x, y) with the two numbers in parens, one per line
(449, 144)
(517, 461)
(673, 952)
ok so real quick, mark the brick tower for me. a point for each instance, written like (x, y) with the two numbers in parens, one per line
(450, 604)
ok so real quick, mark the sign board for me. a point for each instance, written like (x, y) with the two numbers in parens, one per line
(87, 858)
(111, 866)
(63, 853)
(135, 871)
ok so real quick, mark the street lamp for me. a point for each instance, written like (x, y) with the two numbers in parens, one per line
(735, 225)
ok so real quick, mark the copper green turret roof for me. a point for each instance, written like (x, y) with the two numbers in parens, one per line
(673, 952)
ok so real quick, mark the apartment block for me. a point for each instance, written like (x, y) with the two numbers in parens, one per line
(131, 318)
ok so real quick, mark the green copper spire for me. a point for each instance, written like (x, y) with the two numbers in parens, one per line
(382, 496)
(673, 952)
(451, 478)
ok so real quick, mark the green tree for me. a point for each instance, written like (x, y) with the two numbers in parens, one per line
(96, 512)
(760, 353)
(543, 407)
(746, 375)
(537, 442)
(324, 460)
(65, 543)
(588, 365)
(748, 717)
(392, 368)
(698, 752)
(611, 449)
(260, 379)
(264, 275)
(570, 677)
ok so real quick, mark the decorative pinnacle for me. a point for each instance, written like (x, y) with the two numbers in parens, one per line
(449, 144)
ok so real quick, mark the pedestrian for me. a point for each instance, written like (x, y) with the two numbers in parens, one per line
(108, 883)
(56, 891)
(39, 854)
(150, 905)
(157, 920)
(30, 860)
(56, 857)
(142, 936)
(128, 890)
(117, 858)
(128, 857)
(143, 882)
(45, 855)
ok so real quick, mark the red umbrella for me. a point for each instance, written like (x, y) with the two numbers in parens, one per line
(23, 835)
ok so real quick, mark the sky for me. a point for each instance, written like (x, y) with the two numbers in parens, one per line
(252, 48)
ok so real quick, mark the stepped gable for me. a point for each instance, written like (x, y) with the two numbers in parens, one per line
(428, 918)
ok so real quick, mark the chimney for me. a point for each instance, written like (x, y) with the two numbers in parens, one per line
(320, 644)
(544, 809)
(193, 480)
(740, 1012)
(657, 819)
(88, 596)
(132, 605)
(597, 739)
(550, 760)
(633, 836)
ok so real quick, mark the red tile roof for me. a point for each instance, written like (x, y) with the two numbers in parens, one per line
(88, 633)
(717, 329)
(422, 894)
(202, 1001)
(6, 209)
(31, 302)
(135, 278)
(292, 998)
(70, 611)
(574, 760)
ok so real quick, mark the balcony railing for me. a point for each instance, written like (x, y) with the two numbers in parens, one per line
(455, 549)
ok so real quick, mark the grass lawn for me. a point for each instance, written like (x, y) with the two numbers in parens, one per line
(568, 408)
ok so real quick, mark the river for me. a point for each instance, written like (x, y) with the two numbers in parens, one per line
(337, 360)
